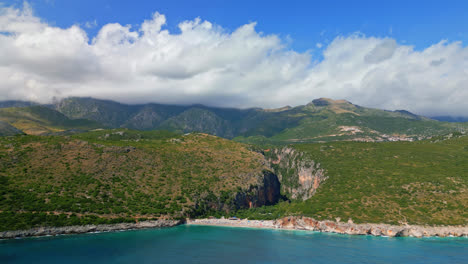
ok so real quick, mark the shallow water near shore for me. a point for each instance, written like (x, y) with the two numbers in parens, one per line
(207, 244)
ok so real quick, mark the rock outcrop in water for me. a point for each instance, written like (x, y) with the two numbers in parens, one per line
(306, 223)
(299, 176)
(66, 230)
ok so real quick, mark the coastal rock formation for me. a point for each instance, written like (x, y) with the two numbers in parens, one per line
(267, 193)
(299, 176)
(53, 231)
(306, 223)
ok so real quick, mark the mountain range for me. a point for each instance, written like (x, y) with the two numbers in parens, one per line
(451, 118)
(320, 120)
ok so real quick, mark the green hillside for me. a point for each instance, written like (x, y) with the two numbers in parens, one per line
(326, 120)
(113, 114)
(15, 103)
(121, 175)
(424, 182)
(8, 130)
(37, 120)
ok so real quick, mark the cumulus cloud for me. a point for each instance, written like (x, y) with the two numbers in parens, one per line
(382, 51)
(205, 63)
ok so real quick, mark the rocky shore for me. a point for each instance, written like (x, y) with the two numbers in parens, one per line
(306, 223)
(53, 231)
(289, 223)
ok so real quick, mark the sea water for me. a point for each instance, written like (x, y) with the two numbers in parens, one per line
(205, 244)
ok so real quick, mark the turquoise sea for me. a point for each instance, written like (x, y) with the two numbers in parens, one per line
(204, 244)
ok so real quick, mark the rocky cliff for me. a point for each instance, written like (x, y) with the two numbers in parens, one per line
(350, 228)
(299, 176)
(66, 230)
(266, 191)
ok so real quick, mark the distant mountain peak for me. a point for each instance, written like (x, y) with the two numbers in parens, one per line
(327, 101)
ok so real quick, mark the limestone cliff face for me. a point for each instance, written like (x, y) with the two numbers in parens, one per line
(291, 173)
(350, 228)
(299, 176)
(266, 191)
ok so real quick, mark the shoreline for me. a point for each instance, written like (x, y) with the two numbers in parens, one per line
(286, 223)
(348, 228)
(69, 230)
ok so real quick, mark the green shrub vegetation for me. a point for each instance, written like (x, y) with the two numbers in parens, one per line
(105, 175)
(120, 175)
(424, 182)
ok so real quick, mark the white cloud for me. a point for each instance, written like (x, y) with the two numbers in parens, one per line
(381, 52)
(205, 63)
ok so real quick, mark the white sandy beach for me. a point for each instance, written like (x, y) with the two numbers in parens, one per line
(233, 223)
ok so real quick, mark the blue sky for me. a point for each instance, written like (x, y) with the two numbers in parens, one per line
(418, 23)
(396, 54)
